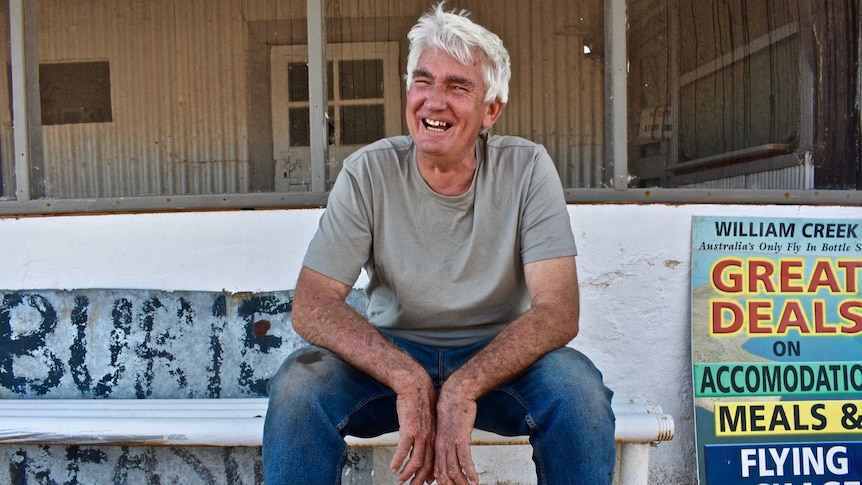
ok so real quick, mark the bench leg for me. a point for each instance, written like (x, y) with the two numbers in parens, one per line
(634, 464)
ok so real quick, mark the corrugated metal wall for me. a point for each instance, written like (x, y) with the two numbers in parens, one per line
(190, 87)
(799, 177)
(557, 96)
(178, 95)
(180, 87)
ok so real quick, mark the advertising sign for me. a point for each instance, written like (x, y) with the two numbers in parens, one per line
(776, 319)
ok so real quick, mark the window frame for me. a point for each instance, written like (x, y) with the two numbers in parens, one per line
(22, 34)
(386, 52)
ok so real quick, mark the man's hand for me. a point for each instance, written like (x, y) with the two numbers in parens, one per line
(322, 317)
(416, 422)
(551, 322)
(456, 415)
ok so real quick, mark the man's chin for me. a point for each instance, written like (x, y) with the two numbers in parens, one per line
(434, 147)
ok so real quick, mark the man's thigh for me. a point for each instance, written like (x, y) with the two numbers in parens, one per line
(564, 381)
(355, 403)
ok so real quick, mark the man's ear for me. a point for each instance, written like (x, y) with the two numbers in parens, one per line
(495, 108)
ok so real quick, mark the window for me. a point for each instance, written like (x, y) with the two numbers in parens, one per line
(164, 105)
(364, 106)
(734, 86)
(75, 92)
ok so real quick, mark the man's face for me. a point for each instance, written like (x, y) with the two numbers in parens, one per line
(446, 108)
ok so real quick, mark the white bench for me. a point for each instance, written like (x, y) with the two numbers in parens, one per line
(239, 422)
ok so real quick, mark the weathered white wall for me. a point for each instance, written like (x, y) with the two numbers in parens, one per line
(634, 274)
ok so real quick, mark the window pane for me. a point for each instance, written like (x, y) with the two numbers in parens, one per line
(742, 95)
(361, 79)
(297, 81)
(300, 133)
(75, 92)
(747, 104)
(361, 124)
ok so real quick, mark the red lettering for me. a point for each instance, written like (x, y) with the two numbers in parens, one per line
(757, 316)
(761, 271)
(793, 316)
(851, 310)
(820, 325)
(823, 275)
(727, 283)
(787, 277)
(763, 276)
(721, 326)
(850, 269)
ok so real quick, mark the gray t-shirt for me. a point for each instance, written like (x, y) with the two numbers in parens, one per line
(443, 271)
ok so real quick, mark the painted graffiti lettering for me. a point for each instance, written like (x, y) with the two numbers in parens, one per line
(122, 327)
(143, 344)
(247, 310)
(28, 344)
(135, 465)
(77, 366)
(219, 313)
(151, 354)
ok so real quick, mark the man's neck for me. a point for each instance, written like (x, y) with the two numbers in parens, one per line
(449, 179)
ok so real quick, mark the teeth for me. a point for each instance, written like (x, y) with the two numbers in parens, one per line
(435, 125)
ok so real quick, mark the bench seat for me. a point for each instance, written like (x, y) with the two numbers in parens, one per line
(239, 422)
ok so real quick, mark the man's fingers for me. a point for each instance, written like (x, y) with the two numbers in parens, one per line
(447, 471)
(426, 473)
(414, 458)
(461, 470)
(415, 462)
(415, 408)
(401, 453)
(454, 465)
(465, 462)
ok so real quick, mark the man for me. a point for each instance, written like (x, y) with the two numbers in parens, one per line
(472, 293)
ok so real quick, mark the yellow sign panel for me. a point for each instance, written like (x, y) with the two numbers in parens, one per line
(787, 418)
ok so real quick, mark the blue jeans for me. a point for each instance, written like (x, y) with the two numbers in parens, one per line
(315, 399)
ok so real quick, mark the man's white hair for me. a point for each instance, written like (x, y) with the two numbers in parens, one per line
(455, 34)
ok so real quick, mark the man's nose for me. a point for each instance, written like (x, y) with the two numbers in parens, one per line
(435, 97)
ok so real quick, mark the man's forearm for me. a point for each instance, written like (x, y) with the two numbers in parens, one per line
(550, 323)
(321, 316)
(515, 349)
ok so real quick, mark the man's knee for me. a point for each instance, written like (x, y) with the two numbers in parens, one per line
(566, 368)
(572, 386)
(306, 374)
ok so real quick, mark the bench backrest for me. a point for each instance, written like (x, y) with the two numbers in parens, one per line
(143, 343)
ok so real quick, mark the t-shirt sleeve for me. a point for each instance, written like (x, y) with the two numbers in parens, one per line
(342, 243)
(546, 230)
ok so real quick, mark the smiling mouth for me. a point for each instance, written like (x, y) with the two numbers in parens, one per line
(436, 126)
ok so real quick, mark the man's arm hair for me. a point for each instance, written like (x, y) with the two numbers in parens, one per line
(550, 323)
(322, 316)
